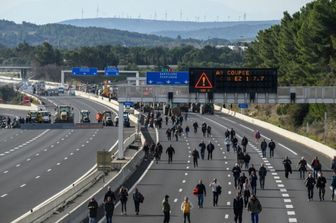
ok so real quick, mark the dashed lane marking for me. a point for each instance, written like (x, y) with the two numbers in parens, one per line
(4, 195)
(292, 220)
(287, 200)
(180, 190)
(37, 177)
(6, 171)
(18, 165)
(183, 181)
(289, 206)
(290, 212)
(23, 185)
(287, 149)
(48, 170)
(175, 200)
(244, 126)
(226, 216)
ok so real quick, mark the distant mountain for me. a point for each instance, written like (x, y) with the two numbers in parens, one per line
(67, 36)
(173, 29)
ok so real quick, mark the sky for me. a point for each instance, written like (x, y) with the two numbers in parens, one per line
(52, 11)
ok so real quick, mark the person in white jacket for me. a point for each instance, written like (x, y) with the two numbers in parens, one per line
(216, 190)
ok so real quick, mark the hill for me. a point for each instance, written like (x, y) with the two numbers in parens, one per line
(195, 30)
(68, 36)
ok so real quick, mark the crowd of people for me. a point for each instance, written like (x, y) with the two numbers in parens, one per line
(246, 176)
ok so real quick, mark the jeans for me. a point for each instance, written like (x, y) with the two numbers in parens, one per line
(236, 179)
(209, 155)
(215, 198)
(254, 189)
(262, 182)
(315, 171)
(254, 217)
(195, 162)
(200, 200)
(238, 217)
(321, 192)
(302, 174)
(108, 218)
(166, 217)
(170, 158)
(246, 165)
(271, 152)
(92, 220)
(263, 152)
(310, 192)
(186, 216)
(123, 206)
(137, 207)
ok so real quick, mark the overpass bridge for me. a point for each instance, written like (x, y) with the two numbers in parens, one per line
(21, 69)
(180, 94)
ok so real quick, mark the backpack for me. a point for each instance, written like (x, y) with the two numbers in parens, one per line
(195, 191)
(141, 198)
(219, 189)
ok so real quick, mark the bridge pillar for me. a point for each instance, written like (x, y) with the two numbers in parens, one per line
(121, 131)
(137, 81)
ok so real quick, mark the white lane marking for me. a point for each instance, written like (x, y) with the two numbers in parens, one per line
(188, 161)
(281, 185)
(233, 122)
(23, 185)
(65, 158)
(187, 167)
(265, 137)
(57, 142)
(58, 164)
(278, 181)
(18, 165)
(48, 170)
(229, 175)
(37, 177)
(283, 190)
(83, 145)
(45, 150)
(289, 206)
(287, 149)
(77, 149)
(2, 154)
(276, 177)
(186, 174)
(180, 190)
(62, 139)
(4, 195)
(246, 127)
(287, 200)
(71, 154)
(183, 181)
(37, 154)
(175, 200)
(226, 216)
(6, 171)
(228, 203)
(285, 195)
(274, 174)
(290, 212)
(229, 192)
(292, 220)
(229, 183)
(51, 146)
(87, 141)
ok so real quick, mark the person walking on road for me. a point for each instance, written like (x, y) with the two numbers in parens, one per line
(271, 146)
(186, 207)
(187, 130)
(202, 148)
(195, 125)
(302, 168)
(257, 136)
(254, 207)
(262, 175)
(210, 149)
(317, 167)
(232, 133)
(238, 206)
(288, 166)
(246, 191)
(208, 131)
(169, 133)
(263, 147)
(196, 156)
(123, 194)
(310, 183)
(253, 182)
(247, 159)
(236, 174)
(166, 209)
(137, 198)
(216, 191)
(204, 128)
(227, 142)
(333, 186)
(109, 209)
(234, 141)
(170, 151)
(241, 181)
(251, 169)
(244, 143)
(320, 184)
(110, 194)
(201, 193)
(333, 164)
(93, 210)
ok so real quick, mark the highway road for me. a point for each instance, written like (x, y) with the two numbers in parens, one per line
(283, 200)
(36, 164)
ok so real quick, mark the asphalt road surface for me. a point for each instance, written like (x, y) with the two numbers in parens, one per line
(283, 200)
(36, 164)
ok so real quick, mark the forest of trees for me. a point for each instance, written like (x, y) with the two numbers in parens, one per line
(303, 46)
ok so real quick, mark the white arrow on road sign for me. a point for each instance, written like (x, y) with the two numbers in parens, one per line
(168, 82)
(150, 81)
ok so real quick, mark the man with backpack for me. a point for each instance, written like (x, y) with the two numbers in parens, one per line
(170, 151)
(137, 198)
(238, 206)
(216, 191)
(317, 167)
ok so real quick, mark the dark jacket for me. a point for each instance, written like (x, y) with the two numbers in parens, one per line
(247, 158)
(111, 195)
(287, 164)
(238, 205)
(202, 145)
(271, 145)
(201, 189)
(123, 195)
(262, 171)
(236, 171)
(321, 182)
(333, 181)
(303, 165)
(263, 145)
(244, 141)
(165, 206)
(195, 154)
(254, 206)
(253, 180)
(310, 182)
(93, 209)
(170, 150)
(210, 147)
(333, 165)
(109, 208)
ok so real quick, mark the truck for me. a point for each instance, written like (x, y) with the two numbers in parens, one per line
(85, 116)
(126, 120)
(107, 118)
(64, 114)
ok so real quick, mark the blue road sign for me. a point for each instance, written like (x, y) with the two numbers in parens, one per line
(128, 104)
(243, 105)
(111, 71)
(168, 78)
(84, 71)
